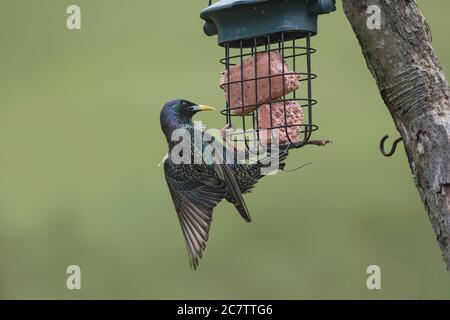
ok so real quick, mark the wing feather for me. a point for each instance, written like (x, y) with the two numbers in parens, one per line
(224, 172)
(194, 203)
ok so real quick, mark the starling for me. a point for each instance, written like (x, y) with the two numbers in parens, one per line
(197, 187)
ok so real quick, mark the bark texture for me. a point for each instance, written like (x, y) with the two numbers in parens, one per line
(415, 90)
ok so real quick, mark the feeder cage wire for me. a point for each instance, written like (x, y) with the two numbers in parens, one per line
(294, 48)
(290, 51)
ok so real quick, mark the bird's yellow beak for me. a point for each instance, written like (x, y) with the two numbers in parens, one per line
(201, 107)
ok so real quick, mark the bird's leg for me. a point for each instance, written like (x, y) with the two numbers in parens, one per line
(226, 134)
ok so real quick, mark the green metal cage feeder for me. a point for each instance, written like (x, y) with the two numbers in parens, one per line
(261, 31)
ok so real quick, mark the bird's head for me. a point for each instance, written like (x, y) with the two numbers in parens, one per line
(176, 114)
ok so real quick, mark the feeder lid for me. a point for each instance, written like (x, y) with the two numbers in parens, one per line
(236, 20)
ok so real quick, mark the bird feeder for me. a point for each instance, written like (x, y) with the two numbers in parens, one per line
(268, 75)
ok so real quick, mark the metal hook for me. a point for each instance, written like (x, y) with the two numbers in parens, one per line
(394, 146)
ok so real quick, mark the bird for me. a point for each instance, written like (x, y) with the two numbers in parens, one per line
(196, 188)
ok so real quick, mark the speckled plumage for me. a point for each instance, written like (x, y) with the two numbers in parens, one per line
(197, 188)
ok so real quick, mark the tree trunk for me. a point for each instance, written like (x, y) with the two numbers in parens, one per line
(415, 90)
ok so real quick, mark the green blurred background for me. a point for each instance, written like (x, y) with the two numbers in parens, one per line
(80, 144)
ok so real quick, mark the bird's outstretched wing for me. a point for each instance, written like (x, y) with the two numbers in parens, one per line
(194, 202)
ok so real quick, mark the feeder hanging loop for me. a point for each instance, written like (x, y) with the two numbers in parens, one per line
(322, 6)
